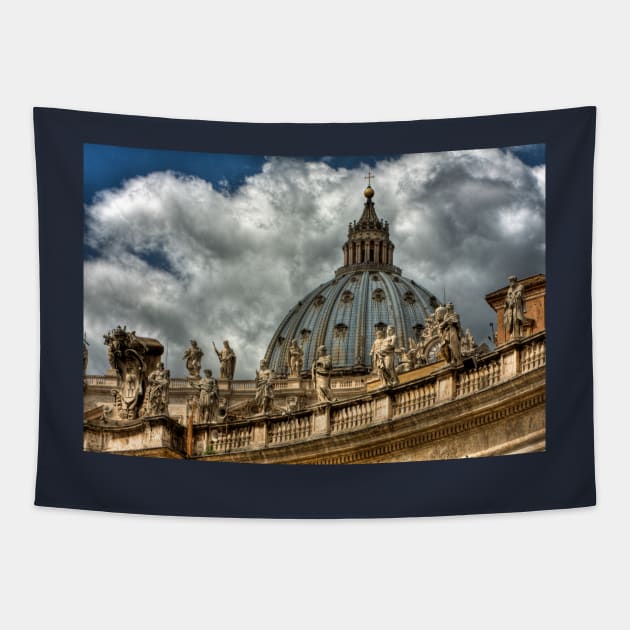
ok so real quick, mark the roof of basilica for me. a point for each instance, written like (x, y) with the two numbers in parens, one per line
(367, 293)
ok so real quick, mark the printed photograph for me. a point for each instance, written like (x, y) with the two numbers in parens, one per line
(316, 309)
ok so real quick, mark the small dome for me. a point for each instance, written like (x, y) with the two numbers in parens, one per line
(369, 192)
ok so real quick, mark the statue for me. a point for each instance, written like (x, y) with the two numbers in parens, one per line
(468, 342)
(227, 359)
(406, 360)
(450, 329)
(384, 349)
(416, 353)
(208, 401)
(296, 359)
(264, 388)
(128, 357)
(193, 359)
(514, 313)
(375, 350)
(156, 398)
(320, 375)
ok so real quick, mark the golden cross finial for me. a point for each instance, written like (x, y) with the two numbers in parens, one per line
(369, 177)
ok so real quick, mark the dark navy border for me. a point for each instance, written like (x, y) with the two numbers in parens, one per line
(561, 477)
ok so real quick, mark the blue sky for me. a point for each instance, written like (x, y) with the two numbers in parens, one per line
(109, 166)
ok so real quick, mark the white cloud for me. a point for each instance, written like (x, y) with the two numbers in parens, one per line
(178, 259)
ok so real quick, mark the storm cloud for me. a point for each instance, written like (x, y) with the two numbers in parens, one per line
(176, 258)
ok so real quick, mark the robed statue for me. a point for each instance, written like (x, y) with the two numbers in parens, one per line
(514, 313)
(320, 374)
(264, 387)
(227, 359)
(193, 359)
(208, 401)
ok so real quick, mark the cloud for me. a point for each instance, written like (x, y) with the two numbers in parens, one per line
(177, 259)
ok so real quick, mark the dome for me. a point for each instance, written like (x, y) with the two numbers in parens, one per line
(367, 293)
(344, 315)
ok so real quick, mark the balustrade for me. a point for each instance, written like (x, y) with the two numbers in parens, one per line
(414, 399)
(533, 356)
(235, 438)
(290, 430)
(351, 417)
(474, 380)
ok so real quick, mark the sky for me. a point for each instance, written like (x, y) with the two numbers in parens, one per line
(182, 246)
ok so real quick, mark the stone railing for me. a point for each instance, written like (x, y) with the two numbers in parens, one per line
(414, 399)
(105, 379)
(234, 438)
(533, 356)
(243, 386)
(351, 417)
(348, 382)
(179, 383)
(290, 430)
(475, 380)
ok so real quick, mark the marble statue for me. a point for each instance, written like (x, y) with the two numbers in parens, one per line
(514, 313)
(156, 398)
(296, 359)
(406, 360)
(376, 349)
(468, 342)
(320, 375)
(193, 359)
(227, 359)
(264, 387)
(416, 352)
(208, 401)
(385, 353)
(451, 332)
(127, 356)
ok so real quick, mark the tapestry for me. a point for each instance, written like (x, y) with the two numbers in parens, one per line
(315, 320)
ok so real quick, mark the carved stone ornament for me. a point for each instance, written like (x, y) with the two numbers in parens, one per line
(133, 359)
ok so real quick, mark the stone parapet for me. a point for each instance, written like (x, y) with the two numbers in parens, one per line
(512, 377)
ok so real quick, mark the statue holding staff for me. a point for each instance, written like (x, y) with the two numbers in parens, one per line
(227, 359)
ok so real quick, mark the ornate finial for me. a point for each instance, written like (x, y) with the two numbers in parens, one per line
(369, 191)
